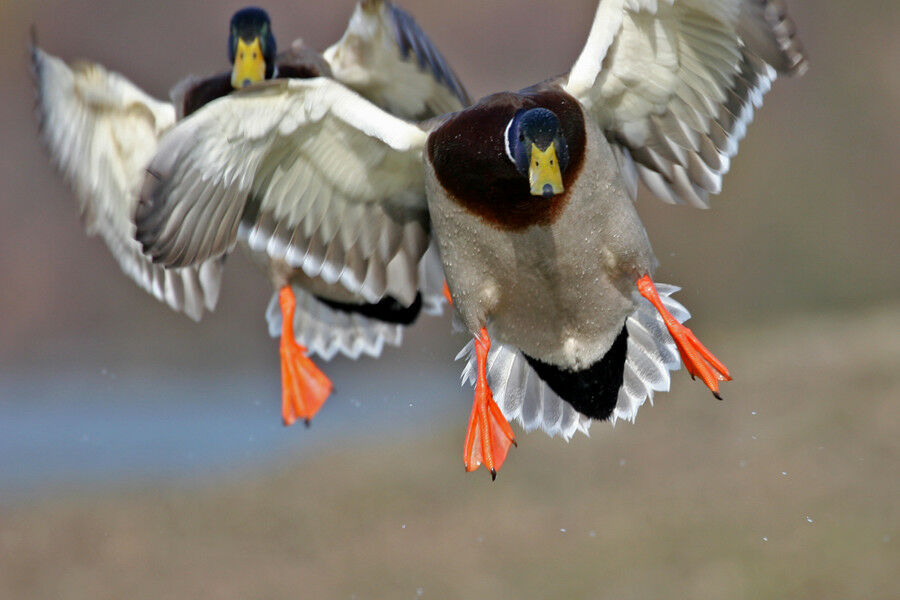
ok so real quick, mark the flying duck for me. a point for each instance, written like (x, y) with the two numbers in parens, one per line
(102, 131)
(529, 196)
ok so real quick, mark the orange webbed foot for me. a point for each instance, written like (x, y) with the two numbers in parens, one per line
(698, 361)
(447, 295)
(489, 434)
(304, 387)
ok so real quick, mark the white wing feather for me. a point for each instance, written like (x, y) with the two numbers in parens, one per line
(387, 58)
(310, 172)
(101, 131)
(674, 83)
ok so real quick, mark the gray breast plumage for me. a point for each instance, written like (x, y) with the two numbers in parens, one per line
(561, 291)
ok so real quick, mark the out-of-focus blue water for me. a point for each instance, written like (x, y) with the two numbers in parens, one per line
(82, 429)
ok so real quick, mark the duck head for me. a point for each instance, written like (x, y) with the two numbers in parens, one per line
(536, 146)
(251, 47)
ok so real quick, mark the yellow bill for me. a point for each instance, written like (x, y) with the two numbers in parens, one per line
(543, 173)
(249, 64)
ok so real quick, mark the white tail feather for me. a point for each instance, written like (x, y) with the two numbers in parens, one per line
(326, 332)
(524, 397)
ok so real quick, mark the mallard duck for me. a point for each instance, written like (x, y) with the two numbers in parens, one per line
(102, 131)
(529, 195)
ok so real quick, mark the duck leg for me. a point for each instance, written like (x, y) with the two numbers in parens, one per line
(304, 388)
(698, 361)
(447, 295)
(489, 435)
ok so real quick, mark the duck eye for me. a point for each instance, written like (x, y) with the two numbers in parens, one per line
(254, 55)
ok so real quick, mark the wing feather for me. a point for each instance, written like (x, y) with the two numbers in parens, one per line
(766, 27)
(101, 132)
(676, 83)
(386, 57)
(306, 171)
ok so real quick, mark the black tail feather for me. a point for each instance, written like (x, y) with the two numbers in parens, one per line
(593, 391)
(388, 310)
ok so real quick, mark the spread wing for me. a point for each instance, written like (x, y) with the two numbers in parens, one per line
(101, 132)
(386, 57)
(675, 83)
(304, 170)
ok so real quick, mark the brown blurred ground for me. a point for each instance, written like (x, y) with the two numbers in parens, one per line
(788, 489)
(792, 277)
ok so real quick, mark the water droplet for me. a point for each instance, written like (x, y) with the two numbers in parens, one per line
(753, 412)
(753, 437)
(562, 530)
(809, 519)
(765, 539)
(403, 526)
(784, 473)
(592, 533)
(419, 592)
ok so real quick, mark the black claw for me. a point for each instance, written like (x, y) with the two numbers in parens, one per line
(515, 443)
(493, 475)
(693, 378)
(716, 394)
(307, 422)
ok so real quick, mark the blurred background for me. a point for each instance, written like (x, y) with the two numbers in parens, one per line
(142, 455)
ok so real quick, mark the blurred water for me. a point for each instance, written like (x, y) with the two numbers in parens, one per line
(81, 429)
